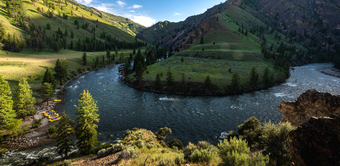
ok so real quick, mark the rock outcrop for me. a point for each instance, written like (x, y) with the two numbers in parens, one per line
(312, 103)
(316, 142)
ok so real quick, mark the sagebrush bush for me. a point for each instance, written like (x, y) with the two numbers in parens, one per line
(236, 152)
(175, 142)
(276, 142)
(202, 155)
(140, 143)
(250, 130)
(203, 145)
(117, 147)
(179, 160)
(150, 145)
(189, 149)
(129, 152)
(101, 152)
(67, 163)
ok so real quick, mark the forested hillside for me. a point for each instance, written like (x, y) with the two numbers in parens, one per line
(61, 24)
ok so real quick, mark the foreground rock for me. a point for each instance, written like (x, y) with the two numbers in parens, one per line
(312, 103)
(316, 142)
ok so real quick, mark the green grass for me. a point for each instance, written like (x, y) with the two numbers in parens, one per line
(14, 66)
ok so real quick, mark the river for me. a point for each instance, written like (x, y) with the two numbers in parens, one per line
(191, 118)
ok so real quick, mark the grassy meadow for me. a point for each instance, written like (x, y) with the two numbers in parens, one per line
(14, 66)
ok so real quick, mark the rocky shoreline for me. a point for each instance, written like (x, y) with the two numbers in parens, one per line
(332, 71)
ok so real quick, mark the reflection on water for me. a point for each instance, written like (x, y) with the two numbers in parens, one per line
(190, 118)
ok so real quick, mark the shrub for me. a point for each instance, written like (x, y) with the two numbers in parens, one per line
(117, 147)
(140, 143)
(276, 142)
(250, 131)
(35, 125)
(129, 152)
(205, 154)
(189, 149)
(175, 142)
(101, 152)
(179, 160)
(52, 129)
(203, 145)
(162, 132)
(67, 162)
(236, 152)
(150, 145)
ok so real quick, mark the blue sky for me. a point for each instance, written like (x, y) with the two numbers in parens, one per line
(148, 12)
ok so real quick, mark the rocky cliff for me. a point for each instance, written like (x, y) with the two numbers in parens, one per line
(316, 142)
(312, 103)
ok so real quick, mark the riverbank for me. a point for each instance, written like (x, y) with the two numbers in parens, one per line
(39, 136)
(197, 89)
(332, 71)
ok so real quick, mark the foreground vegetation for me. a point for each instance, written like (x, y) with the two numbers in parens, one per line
(253, 144)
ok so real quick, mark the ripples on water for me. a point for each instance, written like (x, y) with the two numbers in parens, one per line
(190, 118)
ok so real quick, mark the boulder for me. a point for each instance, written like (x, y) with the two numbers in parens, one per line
(312, 103)
(316, 142)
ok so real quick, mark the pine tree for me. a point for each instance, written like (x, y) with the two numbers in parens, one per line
(49, 78)
(139, 72)
(235, 82)
(158, 83)
(64, 132)
(254, 77)
(169, 78)
(47, 92)
(64, 68)
(84, 59)
(201, 42)
(108, 56)
(59, 69)
(23, 100)
(7, 114)
(86, 117)
(266, 77)
(207, 82)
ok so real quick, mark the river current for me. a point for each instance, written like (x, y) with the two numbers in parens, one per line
(191, 119)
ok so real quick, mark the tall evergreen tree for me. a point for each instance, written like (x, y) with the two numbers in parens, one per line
(7, 114)
(266, 77)
(23, 99)
(108, 56)
(64, 132)
(87, 116)
(207, 82)
(170, 78)
(201, 42)
(139, 72)
(49, 78)
(138, 58)
(59, 71)
(84, 59)
(158, 83)
(254, 77)
(65, 68)
(235, 82)
(47, 92)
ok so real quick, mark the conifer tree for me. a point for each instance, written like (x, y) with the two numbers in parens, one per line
(84, 59)
(201, 42)
(108, 56)
(47, 92)
(139, 72)
(266, 77)
(169, 78)
(86, 118)
(7, 114)
(207, 82)
(59, 69)
(64, 68)
(235, 82)
(253, 77)
(158, 83)
(64, 132)
(49, 78)
(23, 100)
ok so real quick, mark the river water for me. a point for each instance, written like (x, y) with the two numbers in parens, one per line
(191, 118)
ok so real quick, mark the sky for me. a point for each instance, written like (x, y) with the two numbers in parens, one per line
(148, 12)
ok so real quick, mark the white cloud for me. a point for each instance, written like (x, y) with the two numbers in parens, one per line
(135, 6)
(86, 2)
(177, 14)
(143, 20)
(132, 11)
(121, 3)
(103, 7)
